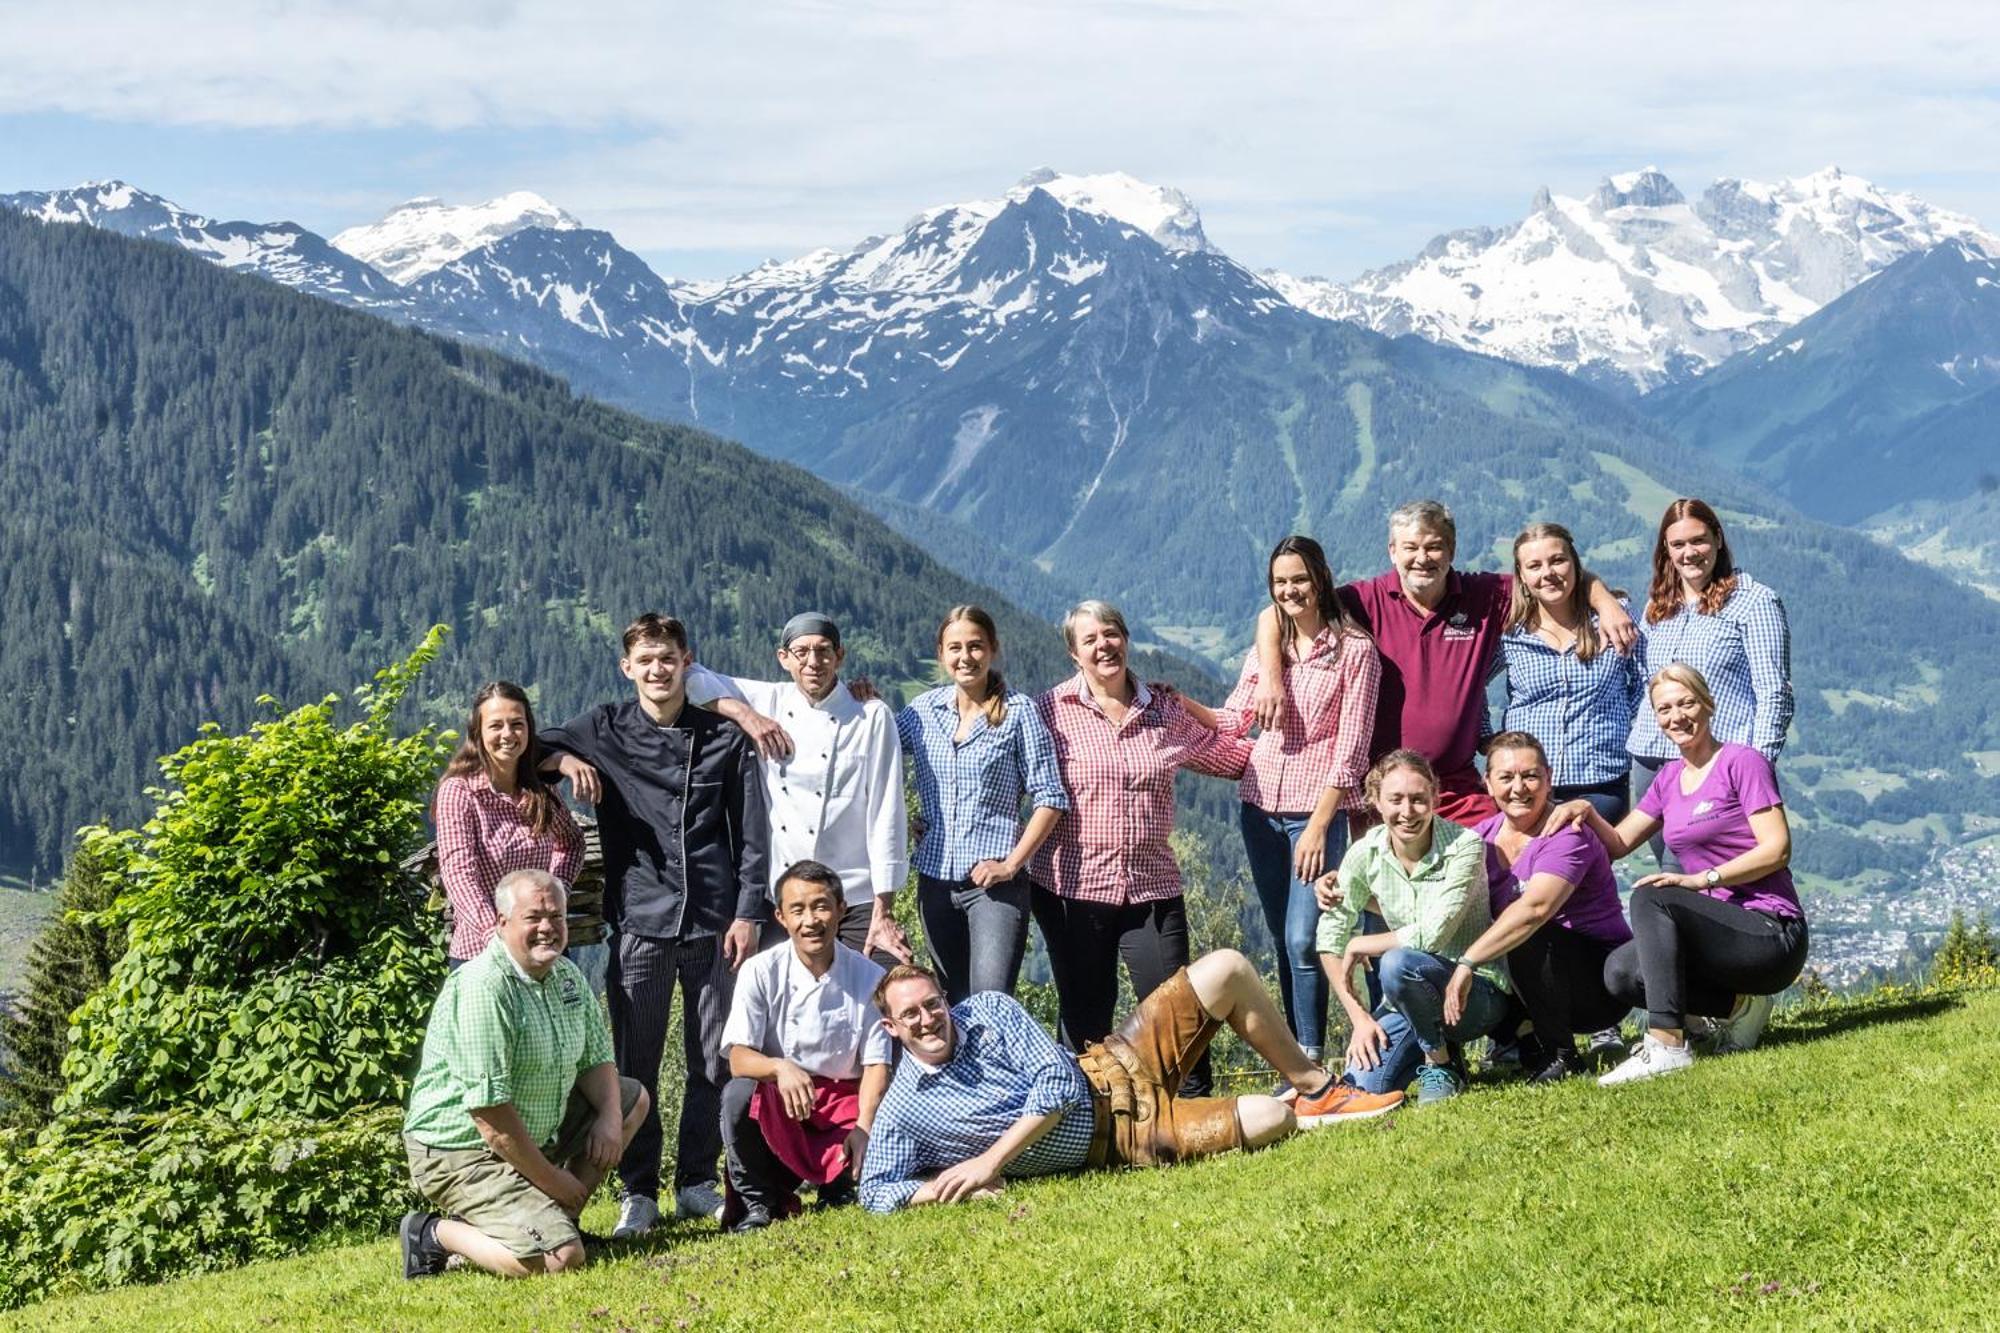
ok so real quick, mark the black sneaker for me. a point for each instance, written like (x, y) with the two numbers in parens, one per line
(755, 1218)
(1563, 1064)
(422, 1255)
(836, 1195)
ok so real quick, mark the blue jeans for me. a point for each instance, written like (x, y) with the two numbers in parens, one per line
(1648, 770)
(595, 962)
(1292, 913)
(1412, 1016)
(976, 936)
(1612, 799)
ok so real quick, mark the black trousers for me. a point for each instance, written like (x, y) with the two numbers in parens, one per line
(1086, 942)
(1693, 954)
(644, 972)
(1559, 979)
(755, 1172)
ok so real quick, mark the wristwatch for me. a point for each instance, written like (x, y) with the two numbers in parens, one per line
(1711, 877)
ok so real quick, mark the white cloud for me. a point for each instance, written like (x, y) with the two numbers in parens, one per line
(1313, 136)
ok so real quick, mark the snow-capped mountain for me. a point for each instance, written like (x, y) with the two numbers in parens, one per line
(884, 315)
(424, 235)
(281, 251)
(1635, 286)
(1888, 395)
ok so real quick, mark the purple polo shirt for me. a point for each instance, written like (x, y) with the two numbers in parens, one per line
(1573, 855)
(1434, 667)
(1711, 824)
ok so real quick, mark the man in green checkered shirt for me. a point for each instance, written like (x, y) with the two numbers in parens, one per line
(517, 1111)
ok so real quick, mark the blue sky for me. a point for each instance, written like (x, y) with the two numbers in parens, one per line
(1319, 138)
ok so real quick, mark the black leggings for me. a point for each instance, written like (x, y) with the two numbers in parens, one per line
(1085, 942)
(1693, 954)
(1559, 978)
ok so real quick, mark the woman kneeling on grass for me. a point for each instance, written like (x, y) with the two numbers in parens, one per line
(1426, 878)
(1556, 917)
(1726, 935)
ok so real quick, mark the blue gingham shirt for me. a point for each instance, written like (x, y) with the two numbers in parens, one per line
(1744, 652)
(970, 792)
(1003, 1067)
(1580, 711)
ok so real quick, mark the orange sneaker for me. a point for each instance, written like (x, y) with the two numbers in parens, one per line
(1343, 1101)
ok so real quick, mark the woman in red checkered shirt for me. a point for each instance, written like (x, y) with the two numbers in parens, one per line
(1307, 771)
(1105, 885)
(494, 814)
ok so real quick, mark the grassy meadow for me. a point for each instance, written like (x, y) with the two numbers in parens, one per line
(1846, 1175)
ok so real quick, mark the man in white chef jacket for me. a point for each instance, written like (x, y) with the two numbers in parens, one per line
(833, 770)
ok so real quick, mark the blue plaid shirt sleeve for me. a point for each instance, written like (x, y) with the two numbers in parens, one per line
(1038, 762)
(1767, 640)
(1055, 1082)
(892, 1169)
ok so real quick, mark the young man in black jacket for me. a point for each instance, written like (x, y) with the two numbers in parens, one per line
(680, 809)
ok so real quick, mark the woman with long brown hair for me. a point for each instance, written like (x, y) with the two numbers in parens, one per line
(1566, 686)
(495, 814)
(1305, 772)
(978, 750)
(1704, 611)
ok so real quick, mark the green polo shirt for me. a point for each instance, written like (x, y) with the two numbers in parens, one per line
(1440, 907)
(497, 1036)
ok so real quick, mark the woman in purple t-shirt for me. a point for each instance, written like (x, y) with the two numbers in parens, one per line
(1727, 933)
(1556, 917)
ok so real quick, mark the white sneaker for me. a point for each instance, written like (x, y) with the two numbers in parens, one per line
(1745, 1024)
(637, 1214)
(1653, 1058)
(698, 1201)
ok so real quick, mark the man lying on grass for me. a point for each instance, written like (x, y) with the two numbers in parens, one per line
(517, 1111)
(985, 1093)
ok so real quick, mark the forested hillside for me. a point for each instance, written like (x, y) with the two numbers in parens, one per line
(218, 488)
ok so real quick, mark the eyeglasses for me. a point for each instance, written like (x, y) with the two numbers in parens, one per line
(820, 653)
(934, 1005)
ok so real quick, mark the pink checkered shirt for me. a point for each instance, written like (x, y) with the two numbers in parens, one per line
(1322, 740)
(482, 836)
(1111, 847)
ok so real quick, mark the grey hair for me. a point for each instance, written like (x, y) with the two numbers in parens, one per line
(1425, 516)
(503, 892)
(1104, 613)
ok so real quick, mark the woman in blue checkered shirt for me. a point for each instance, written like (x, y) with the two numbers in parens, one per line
(1704, 611)
(1566, 685)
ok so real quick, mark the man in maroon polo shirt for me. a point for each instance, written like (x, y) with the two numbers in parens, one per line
(1437, 629)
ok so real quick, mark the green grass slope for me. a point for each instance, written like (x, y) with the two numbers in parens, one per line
(1844, 1176)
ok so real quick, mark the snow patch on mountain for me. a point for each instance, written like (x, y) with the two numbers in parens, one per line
(1636, 286)
(425, 234)
(280, 251)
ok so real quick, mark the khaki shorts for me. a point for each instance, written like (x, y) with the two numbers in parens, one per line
(479, 1188)
(1137, 1072)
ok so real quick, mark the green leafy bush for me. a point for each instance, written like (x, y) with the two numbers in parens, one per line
(99, 1200)
(277, 962)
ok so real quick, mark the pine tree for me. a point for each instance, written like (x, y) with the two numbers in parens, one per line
(70, 960)
(1966, 956)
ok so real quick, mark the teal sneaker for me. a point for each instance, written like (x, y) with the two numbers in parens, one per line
(1436, 1083)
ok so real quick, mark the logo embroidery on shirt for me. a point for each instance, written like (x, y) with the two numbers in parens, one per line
(1703, 808)
(1459, 627)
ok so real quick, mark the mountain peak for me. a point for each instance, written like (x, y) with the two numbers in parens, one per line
(1645, 188)
(424, 234)
(1159, 211)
